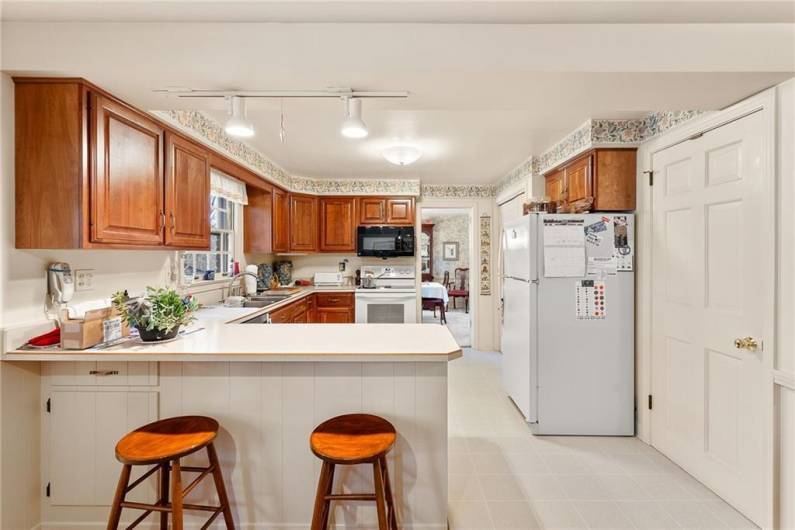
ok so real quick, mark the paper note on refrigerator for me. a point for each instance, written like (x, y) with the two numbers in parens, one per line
(564, 262)
(564, 248)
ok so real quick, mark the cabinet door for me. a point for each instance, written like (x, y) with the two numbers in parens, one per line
(579, 183)
(372, 211)
(281, 221)
(300, 318)
(258, 221)
(334, 315)
(126, 194)
(282, 315)
(400, 211)
(311, 309)
(81, 433)
(337, 224)
(554, 186)
(303, 223)
(614, 180)
(187, 194)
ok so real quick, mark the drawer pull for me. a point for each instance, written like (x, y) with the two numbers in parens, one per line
(103, 372)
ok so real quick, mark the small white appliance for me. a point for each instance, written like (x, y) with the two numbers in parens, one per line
(568, 322)
(392, 299)
(328, 279)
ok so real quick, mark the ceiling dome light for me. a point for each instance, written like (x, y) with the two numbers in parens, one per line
(237, 124)
(402, 155)
(353, 126)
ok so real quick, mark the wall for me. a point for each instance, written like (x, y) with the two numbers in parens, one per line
(784, 368)
(304, 267)
(449, 228)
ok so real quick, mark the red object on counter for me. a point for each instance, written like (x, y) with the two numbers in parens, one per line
(48, 339)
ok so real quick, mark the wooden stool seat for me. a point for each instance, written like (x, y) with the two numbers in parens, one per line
(347, 440)
(352, 439)
(166, 440)
(162, 444)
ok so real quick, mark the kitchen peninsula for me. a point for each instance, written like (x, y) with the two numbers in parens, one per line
(267, 385)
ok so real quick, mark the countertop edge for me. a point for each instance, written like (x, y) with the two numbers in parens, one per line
(234, 357)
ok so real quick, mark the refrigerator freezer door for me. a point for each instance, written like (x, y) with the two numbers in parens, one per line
(519, 237)
(520, 345)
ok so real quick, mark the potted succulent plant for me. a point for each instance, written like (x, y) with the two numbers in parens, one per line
(158, 315)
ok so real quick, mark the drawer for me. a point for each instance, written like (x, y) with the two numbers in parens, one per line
(102, 373)
(288, 313)
(335, 299)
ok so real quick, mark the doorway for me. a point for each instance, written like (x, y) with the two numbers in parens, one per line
(445, 255)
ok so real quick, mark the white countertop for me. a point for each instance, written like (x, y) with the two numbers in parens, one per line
(223, 338)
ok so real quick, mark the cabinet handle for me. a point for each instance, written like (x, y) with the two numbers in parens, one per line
(103, 372)
(162, 221)
(173, 224)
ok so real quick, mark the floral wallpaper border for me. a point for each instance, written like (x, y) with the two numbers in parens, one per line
(596, 132)
(456, 191)
(485, 255)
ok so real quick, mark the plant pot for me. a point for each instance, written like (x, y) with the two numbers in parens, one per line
(155, 335)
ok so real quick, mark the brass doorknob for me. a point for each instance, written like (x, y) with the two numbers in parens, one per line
(746, 343)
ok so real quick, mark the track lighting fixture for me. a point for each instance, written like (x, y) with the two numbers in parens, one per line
(238, 124)
(353, 126)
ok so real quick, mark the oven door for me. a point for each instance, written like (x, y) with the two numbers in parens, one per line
(392, 308)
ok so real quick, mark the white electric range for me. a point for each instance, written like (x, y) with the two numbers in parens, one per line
(392, 300)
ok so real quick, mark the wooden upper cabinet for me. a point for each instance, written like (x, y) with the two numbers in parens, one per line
(386, 210)
(579, 179)
(615, 179)
(400, 211)
(258, 221)
(127, 175)
(606, 175)
(372, 210)
(281, 221)
(554, 185)
(337, 224)
(303, 223)
(187, 194)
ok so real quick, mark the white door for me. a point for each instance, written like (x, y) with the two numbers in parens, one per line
(519, 346)
(713, 252)
(517, 242)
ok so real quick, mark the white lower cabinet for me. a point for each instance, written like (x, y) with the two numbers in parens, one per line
(83, 426)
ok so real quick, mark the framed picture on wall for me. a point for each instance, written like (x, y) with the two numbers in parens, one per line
(450, 250)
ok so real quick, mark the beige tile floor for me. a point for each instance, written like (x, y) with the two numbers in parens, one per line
(501, 477)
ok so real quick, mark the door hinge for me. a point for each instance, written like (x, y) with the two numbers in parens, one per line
(47, 490)
(650, 402)
(651, 177)
(48, 405)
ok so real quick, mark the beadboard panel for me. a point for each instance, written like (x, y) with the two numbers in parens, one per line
(267, 411)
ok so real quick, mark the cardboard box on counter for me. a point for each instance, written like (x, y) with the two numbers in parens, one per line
(96, 326)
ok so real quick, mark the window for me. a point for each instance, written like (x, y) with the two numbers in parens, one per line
(222, 243)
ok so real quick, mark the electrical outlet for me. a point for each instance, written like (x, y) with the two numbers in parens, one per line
(84, 279)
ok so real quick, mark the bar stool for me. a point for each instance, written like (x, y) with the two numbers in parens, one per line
(347, 440)
(162, 444)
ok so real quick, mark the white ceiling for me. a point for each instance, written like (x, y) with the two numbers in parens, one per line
(483, 97)
(406, 11)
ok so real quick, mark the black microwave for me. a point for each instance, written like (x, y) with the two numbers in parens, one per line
(385, 241)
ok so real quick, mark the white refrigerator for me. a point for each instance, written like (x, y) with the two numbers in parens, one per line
(568, 322)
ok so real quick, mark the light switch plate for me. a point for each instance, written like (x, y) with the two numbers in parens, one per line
(84, 279)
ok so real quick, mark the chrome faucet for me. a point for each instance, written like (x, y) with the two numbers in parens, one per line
(235, 277)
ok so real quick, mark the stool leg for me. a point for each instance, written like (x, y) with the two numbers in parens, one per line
(321, 504)
(390, 503)
(220, 488)
(327, 504)
(164, 471)
(176, 496)
(118, 498)
(379, 495)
